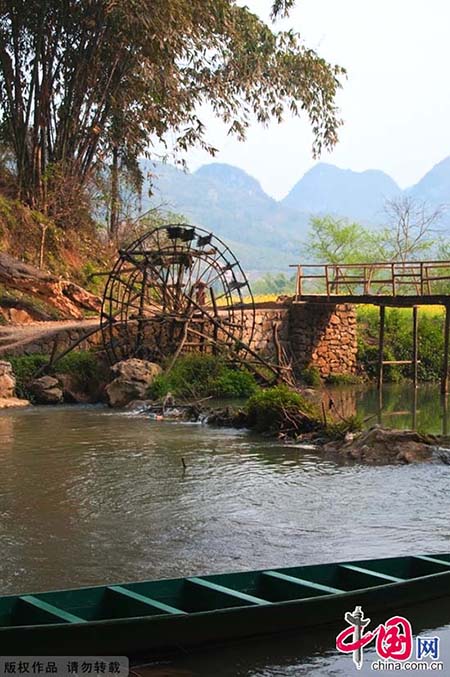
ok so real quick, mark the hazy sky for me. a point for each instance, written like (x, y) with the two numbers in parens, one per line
(395, 103)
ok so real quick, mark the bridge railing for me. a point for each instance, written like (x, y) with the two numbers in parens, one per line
(409, 278)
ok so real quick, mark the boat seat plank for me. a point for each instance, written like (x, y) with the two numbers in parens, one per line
(326, 589)
(236, 594)
(432, 560)
(59, 614)
(377, 574)
(153, 603)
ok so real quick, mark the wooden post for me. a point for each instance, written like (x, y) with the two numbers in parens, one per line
(299, 282)
(444, 379)
(415, 345)
(381, 347)
(380, 407)
(444, 406)
(414, 412)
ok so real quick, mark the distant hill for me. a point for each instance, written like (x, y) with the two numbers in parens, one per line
(264, 233)
(434, 187)
(326, 189)
(267, 234)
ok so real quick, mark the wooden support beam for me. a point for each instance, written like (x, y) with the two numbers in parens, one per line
(381, 347)
(444, 379)
(415, 346)
(444, 408)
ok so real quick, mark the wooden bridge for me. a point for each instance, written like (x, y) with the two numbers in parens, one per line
(405, 284)
(397, 284)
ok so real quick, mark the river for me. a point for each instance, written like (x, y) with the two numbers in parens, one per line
(90, 496)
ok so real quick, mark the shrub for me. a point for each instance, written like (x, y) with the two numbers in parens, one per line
(25, 367)
(266, 409)
(84, 366)
(196, 376)
(160, 386)
(235, 384)
(311, 376)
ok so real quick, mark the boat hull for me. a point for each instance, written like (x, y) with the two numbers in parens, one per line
(164, 634)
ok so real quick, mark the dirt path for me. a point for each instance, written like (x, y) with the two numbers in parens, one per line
(13, 336)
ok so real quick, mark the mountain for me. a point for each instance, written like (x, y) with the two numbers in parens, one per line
(434, 187)
(267, 234)
(264, 234)
(326, 189)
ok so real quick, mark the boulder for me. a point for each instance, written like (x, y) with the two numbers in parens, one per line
(120, 392)
(46, 390)
(384, 446)
(13, 402)
(7, 380)
(131, 382)
(74, 393)
(136, 370)
(140, 405)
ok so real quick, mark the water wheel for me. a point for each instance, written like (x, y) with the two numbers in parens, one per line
(176, 289)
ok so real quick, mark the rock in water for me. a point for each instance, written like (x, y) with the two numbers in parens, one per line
(7, 381)
(131, 382)
(12, 402)
(383, 446)
(46, 390)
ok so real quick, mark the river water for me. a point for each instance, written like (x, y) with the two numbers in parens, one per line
(89, 496)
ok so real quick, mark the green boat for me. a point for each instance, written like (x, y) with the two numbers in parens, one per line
(157, 617)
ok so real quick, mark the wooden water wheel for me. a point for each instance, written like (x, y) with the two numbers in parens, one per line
(176, 289)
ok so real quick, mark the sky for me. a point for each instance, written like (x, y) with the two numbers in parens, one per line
(395, 102)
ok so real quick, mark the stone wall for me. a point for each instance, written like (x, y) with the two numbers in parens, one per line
(264, 333)
(324, 336)
(313, 334)
(65, 338)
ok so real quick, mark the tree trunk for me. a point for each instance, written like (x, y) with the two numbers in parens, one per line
(115, 198)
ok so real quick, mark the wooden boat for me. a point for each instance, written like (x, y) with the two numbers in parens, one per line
(152, 617)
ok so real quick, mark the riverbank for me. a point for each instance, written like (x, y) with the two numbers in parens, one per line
(329, 419)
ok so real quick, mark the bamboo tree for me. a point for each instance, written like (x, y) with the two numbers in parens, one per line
(69, 69)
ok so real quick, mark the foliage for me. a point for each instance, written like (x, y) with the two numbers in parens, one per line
(409, 235)
(311, 376)
(398, 342)
(196, 376)
(274, 284)
(83, 365)
(234, 384)
(25, 367)
(91, 83)
(332, 240)
(266, 409)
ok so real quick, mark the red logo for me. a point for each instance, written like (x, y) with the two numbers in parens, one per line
(394, 638)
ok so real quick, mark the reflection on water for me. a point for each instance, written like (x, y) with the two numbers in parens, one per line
(90, 496)
(397, 405)
(310, 653)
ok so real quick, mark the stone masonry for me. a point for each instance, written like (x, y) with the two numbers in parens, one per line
(324, 336)
(313, 334)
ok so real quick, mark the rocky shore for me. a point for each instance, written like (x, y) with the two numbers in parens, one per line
(128, 386)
